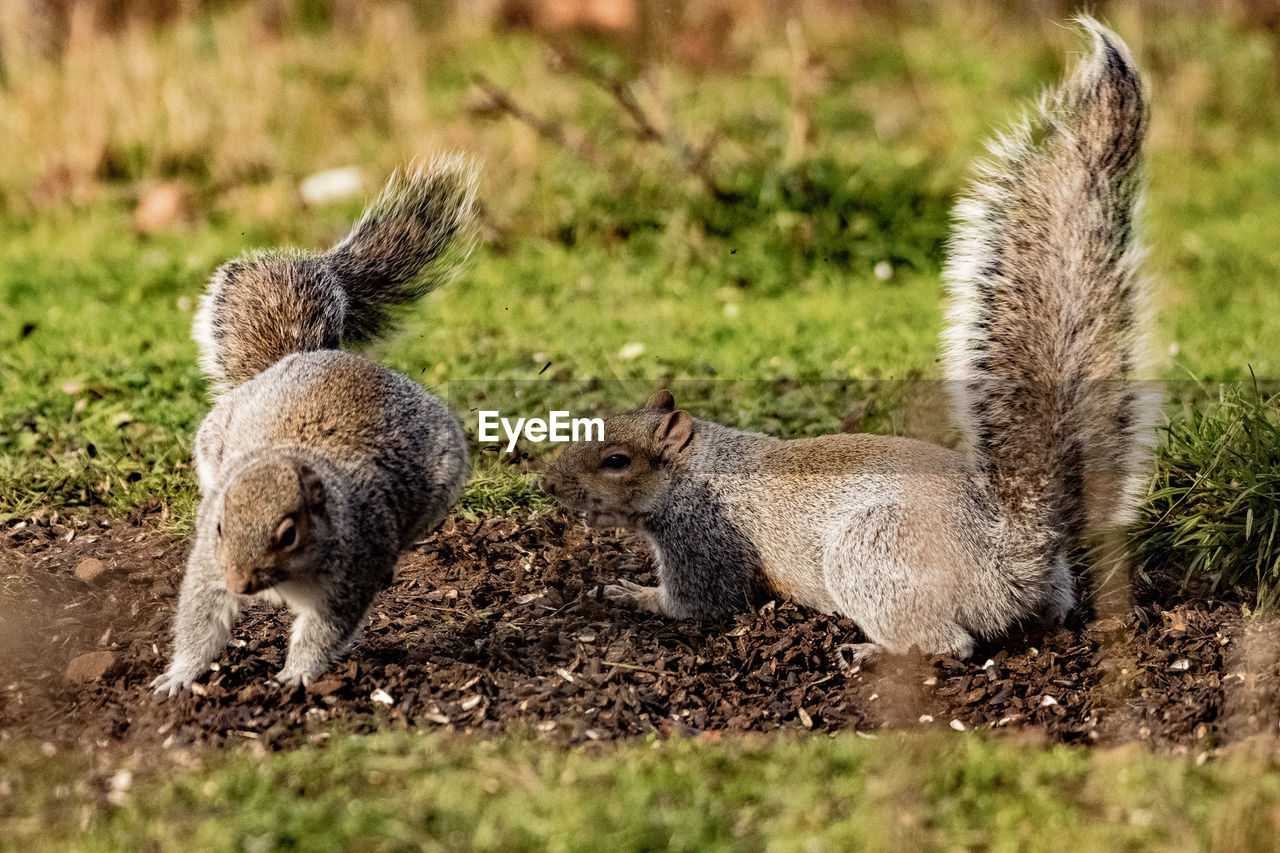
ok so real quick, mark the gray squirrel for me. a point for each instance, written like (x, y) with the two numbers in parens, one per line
(316, 466)
(920, 545)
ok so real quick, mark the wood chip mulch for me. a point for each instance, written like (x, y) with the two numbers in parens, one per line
(495, 625)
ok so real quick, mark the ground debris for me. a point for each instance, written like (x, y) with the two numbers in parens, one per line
(495, 625)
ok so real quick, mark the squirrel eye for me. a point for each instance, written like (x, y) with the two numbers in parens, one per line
(616, 461)
(286, 534)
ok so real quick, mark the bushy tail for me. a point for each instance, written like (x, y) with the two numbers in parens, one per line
(266, 305)
(1045, 328)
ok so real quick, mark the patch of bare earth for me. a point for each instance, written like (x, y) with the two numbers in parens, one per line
(495, 625)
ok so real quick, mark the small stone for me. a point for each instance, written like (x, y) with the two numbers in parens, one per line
(91, 666)
(89, 570)
(957, 725)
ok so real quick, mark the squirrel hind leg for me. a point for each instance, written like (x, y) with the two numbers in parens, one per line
(1061, 595)
(952, 640)
(851, 655)
(210, 449)
(877, 575)
(941, 638)
(645, 598)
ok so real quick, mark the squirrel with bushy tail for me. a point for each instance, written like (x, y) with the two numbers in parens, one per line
(318, 467)
(923, 546)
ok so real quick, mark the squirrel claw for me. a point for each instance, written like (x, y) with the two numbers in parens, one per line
(170, 683)
(291, 677)
(289, 680)
(163, 686)
(857, 655)
(627, 592)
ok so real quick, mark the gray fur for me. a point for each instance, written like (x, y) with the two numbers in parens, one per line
(707, 574)
(318, 467)
(922, 546)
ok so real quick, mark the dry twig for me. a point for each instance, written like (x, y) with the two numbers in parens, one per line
(694, 160)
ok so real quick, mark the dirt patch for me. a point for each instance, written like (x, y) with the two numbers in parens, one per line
(494, 625)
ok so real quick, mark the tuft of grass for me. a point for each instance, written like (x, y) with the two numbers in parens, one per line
(494, 490)
(1213, 513)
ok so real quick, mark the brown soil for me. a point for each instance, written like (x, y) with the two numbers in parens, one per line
(495, 625)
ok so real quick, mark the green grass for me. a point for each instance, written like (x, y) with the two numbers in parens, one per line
(406, 791)
(1214, 510)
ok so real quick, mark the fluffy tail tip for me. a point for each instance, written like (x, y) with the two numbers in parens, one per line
(411, 239)
(431, 201)
(445, 182)
(1106, 90)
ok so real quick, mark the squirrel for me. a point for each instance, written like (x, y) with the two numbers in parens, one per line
(920, 545)
(317, 467)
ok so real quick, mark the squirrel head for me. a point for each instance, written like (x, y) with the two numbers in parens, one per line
(618, 481)
(272, 514)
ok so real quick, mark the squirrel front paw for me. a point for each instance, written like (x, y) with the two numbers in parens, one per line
(175, 679)
(647, 598)
(292, 677)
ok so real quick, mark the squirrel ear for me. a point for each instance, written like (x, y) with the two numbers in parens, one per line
(661, 401)
(674, 432)
(312, 487)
